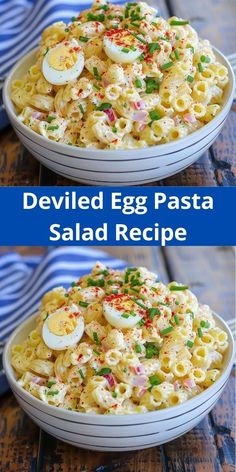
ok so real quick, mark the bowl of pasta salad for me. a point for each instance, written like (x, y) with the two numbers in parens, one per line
(119, 95)
(119, 361)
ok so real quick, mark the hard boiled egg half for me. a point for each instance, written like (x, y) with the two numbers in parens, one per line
(63, 328)
(121, 311)
(63, 63)
(122, 46)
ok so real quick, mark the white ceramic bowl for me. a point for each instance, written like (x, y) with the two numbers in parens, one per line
(117, 432)
(128, 167)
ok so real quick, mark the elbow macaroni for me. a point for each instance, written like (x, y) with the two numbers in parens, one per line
(173, 352)
(174, 87)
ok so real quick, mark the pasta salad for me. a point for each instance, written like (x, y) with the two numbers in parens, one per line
(119, 343)
(120, 77)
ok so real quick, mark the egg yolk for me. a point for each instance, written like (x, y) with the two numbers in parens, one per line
(122, 37)
(61, 324)
(62, 57)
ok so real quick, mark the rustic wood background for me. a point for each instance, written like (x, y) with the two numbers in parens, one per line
(209, 447)
(214, 20)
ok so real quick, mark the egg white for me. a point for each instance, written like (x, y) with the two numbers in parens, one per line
(59, 343)
(114, 316)
(62, 77)
(115, 53)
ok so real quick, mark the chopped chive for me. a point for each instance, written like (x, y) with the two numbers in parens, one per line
(96, 352)
(96, 87)
(207, 324)
(152, 47)
(81, 373)
(190, 79)
(67, 30)
(138, 348)
(125, 49)
(177, 288)
(84, 304)
(125, 315)
(138, 83)
(179, 22)
(96, 339)
(151, 350)
(141, 322)
(114, 394)
(73, 284)
(95, 283)
(114, 129)
(46, 51)
(54, 392)
(83, 39)
(114, 292)
(96, 74)
(166, 331)
(154, 380)
(104, 106)
(139, 303)
(190, 344)
(47, 315)
(154, 115)
(167, 65)
(104, 371)
(103, 7)
(137, 37)
(199, 332)
(200, 68)
(91, 17)
(202, 323)
(81, 108)
(176, 53)
(52, 128)
(125, 370)
(205, 59)
(50, 383)
(50, 118)
(153, 312)
(176, 318)
(103, 272)
(74, 18)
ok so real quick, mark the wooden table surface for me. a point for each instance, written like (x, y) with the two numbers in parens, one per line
(214, 20)
(207, 448)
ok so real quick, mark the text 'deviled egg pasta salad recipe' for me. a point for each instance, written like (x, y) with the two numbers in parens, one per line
(120, 77)
(119, 343)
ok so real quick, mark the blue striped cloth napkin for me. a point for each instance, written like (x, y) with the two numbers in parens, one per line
(24, 280)
(21, 24)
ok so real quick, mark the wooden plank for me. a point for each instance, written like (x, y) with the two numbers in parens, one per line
(17, 166)
(200, 174)
(18, 438)
(210, 274)
(215, 21)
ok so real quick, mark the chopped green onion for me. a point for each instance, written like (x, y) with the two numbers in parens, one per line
(177, 288)
(67, 30)
(141, 322)
(96, 339)
(207, 324)
(202, 323)
(81, 108)
(125, 370)
(96, 74)
(84, 304)
(139, 303)
(190, 344)
(152, 47)
(167, 65)
(103, 7)
(190, 79)
(205, 59)
(151, 350)
(138, 348)
(137, 37)
(50, 383)
(91, 17)
(104, 371)
(166, 331)
(83, 39)
(114, 394)
(114, 129)
(114, 292)
(54, 392)
(52, 128)
(104, 106)
(81, 373)
(47, 315)
(154, 380)
(50, 118)
(125, 50)
(179, 22)
(96, 352)
(176, 318)
(176, 53)
(73, 284)
(200, 68)
(95, 283)
(199, 332)
(154, 115)
(138, 83)
(74, 18)
(125, 315)
(153, 312)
